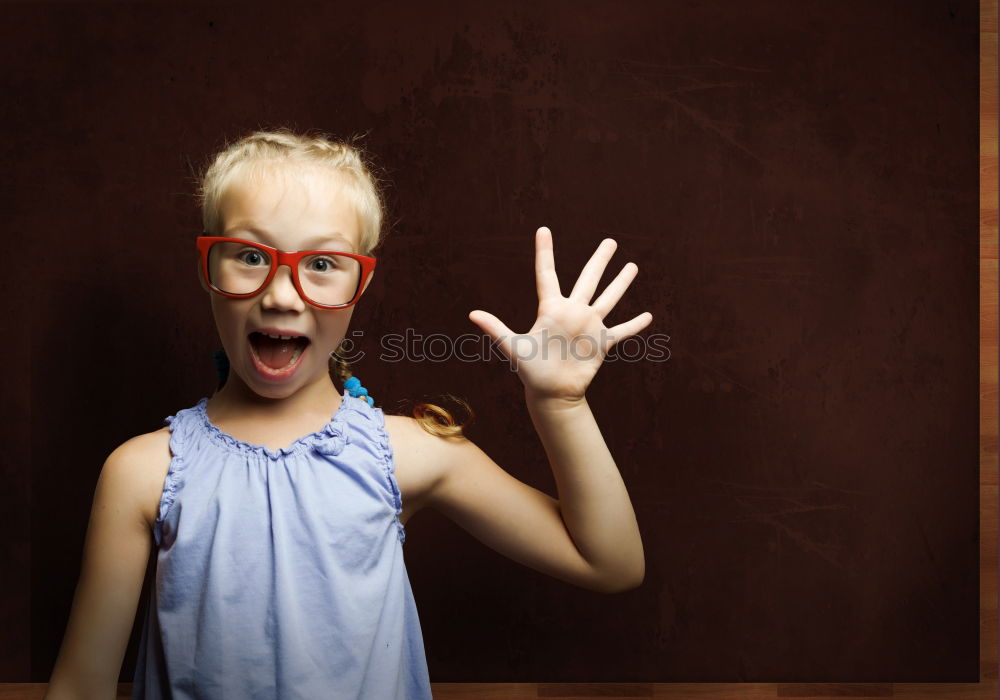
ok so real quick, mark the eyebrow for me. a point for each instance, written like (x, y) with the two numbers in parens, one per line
(311, 244)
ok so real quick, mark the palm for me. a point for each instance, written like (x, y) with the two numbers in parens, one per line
(559, 356)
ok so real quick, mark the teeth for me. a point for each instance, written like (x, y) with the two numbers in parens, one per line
(280, 337)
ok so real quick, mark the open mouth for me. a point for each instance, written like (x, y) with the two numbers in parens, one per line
(277, 354)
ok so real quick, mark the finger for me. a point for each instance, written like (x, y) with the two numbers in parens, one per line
(546, 281)
(586, 283)
(494, 328)
(628, 329)
(615, 289)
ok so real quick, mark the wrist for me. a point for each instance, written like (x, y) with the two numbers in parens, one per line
(544, 402)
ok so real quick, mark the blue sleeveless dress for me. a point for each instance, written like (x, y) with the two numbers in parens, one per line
(281, 574)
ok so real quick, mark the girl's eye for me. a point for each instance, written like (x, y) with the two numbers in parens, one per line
(252, 257)
(323, 264)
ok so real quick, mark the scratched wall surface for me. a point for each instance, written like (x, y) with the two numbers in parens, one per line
(797, 182)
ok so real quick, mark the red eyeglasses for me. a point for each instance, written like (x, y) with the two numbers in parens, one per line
(238, 268)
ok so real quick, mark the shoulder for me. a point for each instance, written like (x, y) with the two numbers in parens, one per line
(422, 460)
(406, 431)
(138, 468)
(420, 446)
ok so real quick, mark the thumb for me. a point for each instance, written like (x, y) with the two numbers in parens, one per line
(494, 328)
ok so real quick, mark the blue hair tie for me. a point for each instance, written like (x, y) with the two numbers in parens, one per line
(353, 386)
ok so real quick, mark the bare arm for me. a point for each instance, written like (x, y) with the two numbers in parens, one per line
(116, 552)
(593, 499)
(507, 515)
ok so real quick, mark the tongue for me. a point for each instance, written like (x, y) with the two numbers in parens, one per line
(273, 352)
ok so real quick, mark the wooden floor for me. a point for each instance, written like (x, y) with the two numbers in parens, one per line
(986, 690)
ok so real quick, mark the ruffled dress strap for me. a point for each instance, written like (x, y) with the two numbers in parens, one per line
(184, 427)
(369, 422)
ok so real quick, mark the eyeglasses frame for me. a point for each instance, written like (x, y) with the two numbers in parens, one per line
(281, 257)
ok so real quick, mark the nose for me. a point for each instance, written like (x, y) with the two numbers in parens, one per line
(281, 292)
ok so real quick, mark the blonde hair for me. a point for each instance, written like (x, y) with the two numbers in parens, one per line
(251, 155)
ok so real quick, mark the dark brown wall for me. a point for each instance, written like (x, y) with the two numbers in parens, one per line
(797, 182)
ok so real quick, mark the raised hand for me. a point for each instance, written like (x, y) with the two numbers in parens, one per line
(559, 356)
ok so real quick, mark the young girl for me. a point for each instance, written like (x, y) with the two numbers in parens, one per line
(277, 507)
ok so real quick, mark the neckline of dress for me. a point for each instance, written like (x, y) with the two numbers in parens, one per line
(329, 430)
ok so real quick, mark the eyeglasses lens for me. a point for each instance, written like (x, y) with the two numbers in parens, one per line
(326, 278)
